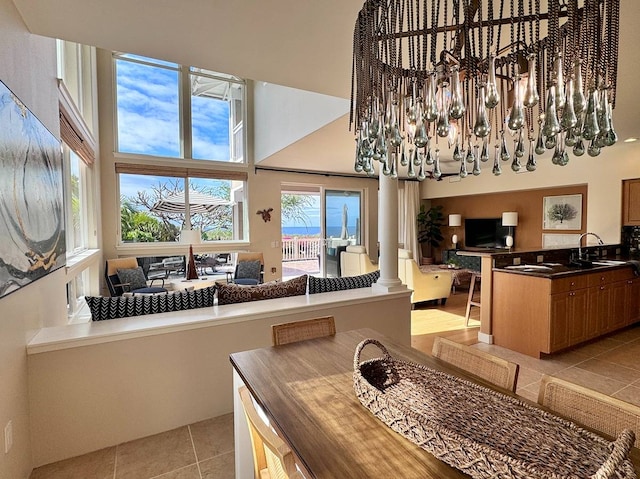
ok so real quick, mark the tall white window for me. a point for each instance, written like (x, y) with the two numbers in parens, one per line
(167, 110)
(76, 73)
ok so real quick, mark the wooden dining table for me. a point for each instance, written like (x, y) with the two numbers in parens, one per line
(306, 391)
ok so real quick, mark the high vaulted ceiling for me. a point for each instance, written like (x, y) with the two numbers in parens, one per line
(305, 44)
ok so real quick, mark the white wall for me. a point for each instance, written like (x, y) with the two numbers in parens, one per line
(285, 115)
(602, 174)
(27, 67)
(90, 397)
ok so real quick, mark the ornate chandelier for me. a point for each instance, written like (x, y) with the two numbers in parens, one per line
(461, 73)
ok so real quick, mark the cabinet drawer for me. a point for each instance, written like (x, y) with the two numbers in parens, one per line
(570, 283)
(604, 277)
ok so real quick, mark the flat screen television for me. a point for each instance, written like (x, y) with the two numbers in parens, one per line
(485, 233)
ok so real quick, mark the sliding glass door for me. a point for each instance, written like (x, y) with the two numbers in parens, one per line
(342, 220)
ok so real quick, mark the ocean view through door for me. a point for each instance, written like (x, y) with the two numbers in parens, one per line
(317, 224)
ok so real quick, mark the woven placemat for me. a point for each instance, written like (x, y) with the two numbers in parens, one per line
(482, 432)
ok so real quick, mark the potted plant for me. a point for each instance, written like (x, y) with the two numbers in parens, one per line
(429, 224)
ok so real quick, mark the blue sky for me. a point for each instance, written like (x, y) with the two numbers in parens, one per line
(149, 119)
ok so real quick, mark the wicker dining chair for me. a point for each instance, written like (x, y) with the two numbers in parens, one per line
(286, 333)
(590, 408)
(486, 366)
(272, 457)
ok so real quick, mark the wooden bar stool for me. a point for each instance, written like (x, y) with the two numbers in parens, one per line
(470, 302)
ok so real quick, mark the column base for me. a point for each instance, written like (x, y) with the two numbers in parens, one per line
(388, 286)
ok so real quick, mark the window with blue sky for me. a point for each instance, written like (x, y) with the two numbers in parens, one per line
(153, 119)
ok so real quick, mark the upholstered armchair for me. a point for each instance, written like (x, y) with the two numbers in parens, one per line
(355, 261)
(435, 285)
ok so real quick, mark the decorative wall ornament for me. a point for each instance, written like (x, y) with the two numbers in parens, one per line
(266, 214)
(31, 197)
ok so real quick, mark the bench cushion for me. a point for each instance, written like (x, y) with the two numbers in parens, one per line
(103, 307)
(327, 285)
(234, 293)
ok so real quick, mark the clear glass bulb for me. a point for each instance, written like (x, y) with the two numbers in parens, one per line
(403, 157)
(551, 125)
(482, 127)
(484, 155)
(470, 158)
(578, 148)
(531, 97)
(504, 151)
(558, 74)
(492, 97)
(516, 118)
(569, 119)
(394, 167)
(579, 100)
(429, 160)
(476, 167)
(590, 128)
(612, 136)
(437, 172)
(463, 170)
(456, 107)
(410, 171)
(531, 161)
(358, 167)
(457, 155)
(497, 171)
(431, 105)
(519, 147)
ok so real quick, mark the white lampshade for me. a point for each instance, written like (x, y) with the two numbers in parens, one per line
(190, 236)
(510, 218)
(455, 220)
(454, 239)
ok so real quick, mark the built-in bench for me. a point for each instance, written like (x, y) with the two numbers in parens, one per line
(101, 383)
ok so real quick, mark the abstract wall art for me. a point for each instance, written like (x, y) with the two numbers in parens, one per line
(32, 235)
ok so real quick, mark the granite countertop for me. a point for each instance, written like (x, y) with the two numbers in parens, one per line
(558, 270)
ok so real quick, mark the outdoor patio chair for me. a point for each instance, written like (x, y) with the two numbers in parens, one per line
(124, 275)
(249, 269)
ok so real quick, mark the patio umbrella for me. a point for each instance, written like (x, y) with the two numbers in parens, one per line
(198, 203)
(344, 232)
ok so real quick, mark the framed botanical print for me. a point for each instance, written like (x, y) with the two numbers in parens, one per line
(562, 212)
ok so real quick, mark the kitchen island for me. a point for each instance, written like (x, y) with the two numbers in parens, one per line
(545, 308)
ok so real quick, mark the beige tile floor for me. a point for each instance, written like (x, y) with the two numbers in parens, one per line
(204, 450)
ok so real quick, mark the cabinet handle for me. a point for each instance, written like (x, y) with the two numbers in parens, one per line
(601, 288)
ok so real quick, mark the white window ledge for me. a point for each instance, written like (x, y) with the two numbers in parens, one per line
(81, 261)
(98, 332)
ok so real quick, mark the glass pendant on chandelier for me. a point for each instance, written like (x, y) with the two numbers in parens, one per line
(437, 79)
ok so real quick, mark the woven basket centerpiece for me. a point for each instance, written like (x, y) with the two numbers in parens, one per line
(482, 432)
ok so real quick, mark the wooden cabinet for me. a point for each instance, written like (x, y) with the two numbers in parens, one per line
(632, 301)
(535, 315)
(631, 202)
(568, 319)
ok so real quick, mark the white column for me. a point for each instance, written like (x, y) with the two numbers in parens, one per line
(388, 236)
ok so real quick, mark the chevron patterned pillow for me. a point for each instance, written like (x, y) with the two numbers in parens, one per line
(327, 285)
(103, 307)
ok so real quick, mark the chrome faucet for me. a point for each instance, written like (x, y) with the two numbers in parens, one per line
(580, 242)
